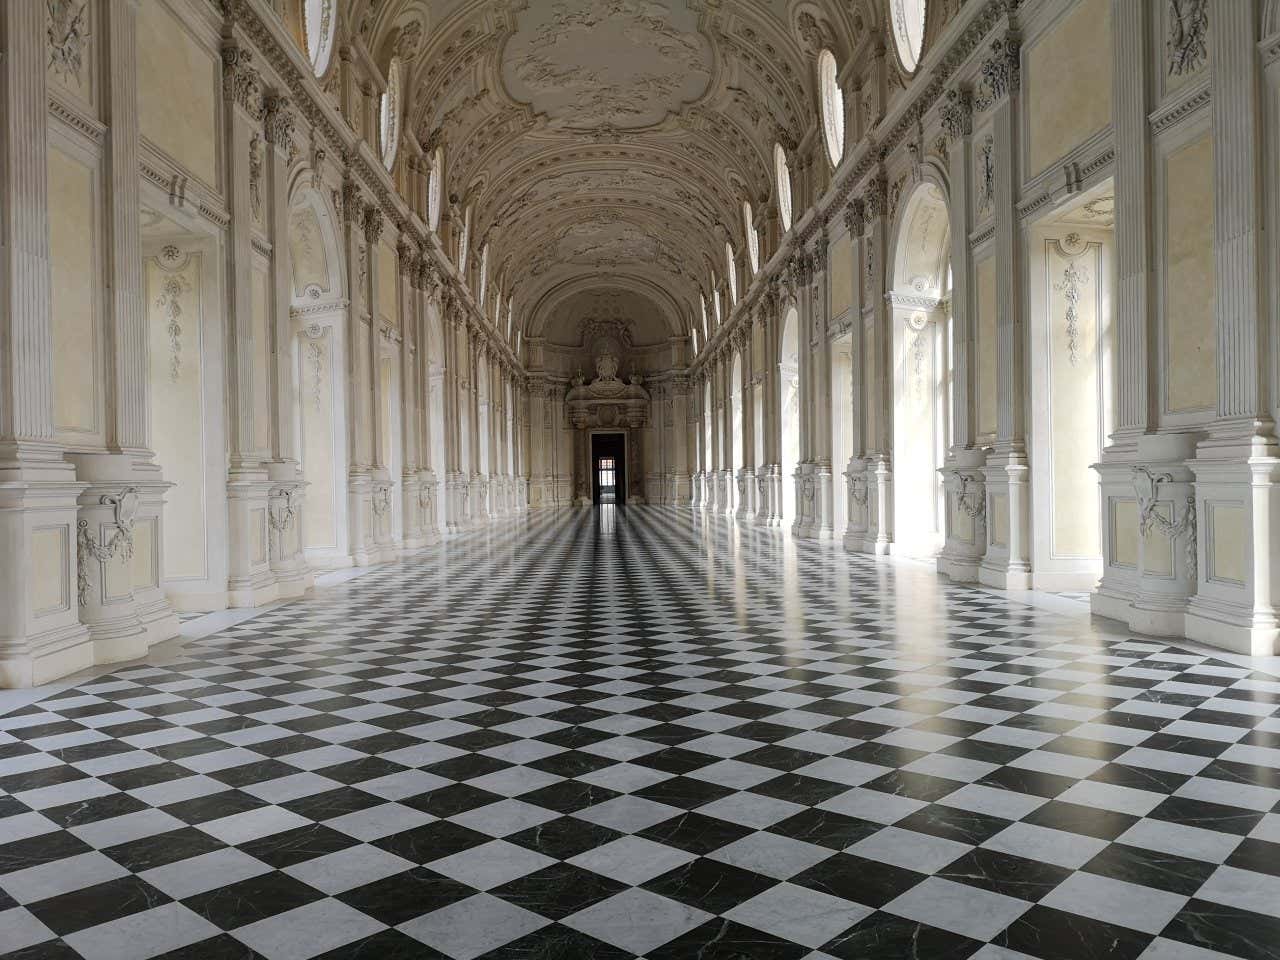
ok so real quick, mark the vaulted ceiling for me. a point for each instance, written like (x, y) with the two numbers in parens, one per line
(607, 145)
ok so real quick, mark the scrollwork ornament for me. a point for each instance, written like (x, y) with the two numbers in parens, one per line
(88, 548)
(68, 36)
(972, 502)
(255, 176)
(1146, 487)
(858, 488)
(1188, 26)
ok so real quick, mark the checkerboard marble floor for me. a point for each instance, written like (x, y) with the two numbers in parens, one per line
(645, 733)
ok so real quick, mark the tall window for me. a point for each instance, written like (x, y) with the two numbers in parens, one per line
(732, 269)
(484, 273)
(832, 106)
(389, 115)
(434, 188)
(706, 332)
(782, 174)
(464, 241)
(719, 314)
(694, 335)
(753, 238)
(907, 18)
(318, 22)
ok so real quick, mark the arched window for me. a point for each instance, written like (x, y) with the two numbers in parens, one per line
(719, 315)
(782, 173)
(434, 188)
(464, 241)
(907, 17)
(694, 335)
(318, 22)
(389, 115)
(753, 238)
(732, 273)
(484, 274)
(705, 332)
(832, 106)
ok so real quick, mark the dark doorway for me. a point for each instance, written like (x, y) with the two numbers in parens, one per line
(608, 467)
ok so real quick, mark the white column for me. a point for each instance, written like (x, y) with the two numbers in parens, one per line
(41, 636)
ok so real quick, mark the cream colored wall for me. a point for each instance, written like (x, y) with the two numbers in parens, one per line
(1068, 83)
(177, 407)
(1157, 548)
(362, 398)
(261, 359)
(307, 256)
(1000, 519)
(76, 282)
(840, 259)
(1074, 414)
(1229, 542)
(1190, 334)
(51, 590)
(143, 567)
(387, 292)
(1124, 532)
(177, 102)
(870, 419)
(986, 347)
(317, 403)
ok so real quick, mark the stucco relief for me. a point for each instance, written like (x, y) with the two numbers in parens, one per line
(591, 63)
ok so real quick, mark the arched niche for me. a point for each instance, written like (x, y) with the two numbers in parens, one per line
(318, 314)
(920, 303)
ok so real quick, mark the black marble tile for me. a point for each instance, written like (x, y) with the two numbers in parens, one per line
(399, 898)
(100, 903)
(709, 885)
(1056, 935)
(884, 936)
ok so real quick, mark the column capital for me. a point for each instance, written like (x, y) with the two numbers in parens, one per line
(373, 222)
(241, 82)
(956, 113)
(1001, 70)
(280, 121)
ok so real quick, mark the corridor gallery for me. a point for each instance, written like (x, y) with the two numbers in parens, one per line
(639, 479)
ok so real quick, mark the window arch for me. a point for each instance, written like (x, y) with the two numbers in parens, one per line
(318, 22)
(732, 273)
(464, 240)
(907, 19)
(484, 274)
(753, 238)
(389, 114)
(434, 189)
(782, 173)
(832, 102)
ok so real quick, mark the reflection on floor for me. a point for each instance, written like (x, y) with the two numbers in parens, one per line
(606, 734)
